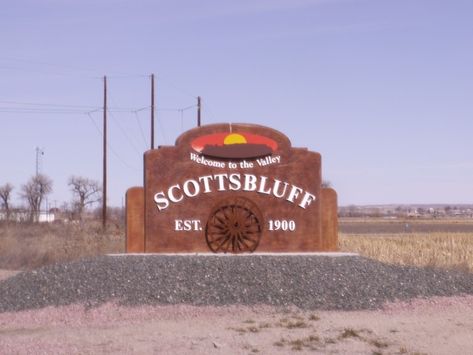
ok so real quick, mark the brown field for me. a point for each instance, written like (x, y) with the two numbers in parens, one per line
(440, 243)
(395, 226)
(28, 246)
(448, 250)
(446, 243)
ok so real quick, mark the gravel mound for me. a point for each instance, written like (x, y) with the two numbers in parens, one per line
(307, 282)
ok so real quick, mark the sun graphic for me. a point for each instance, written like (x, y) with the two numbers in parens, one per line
(234, 138)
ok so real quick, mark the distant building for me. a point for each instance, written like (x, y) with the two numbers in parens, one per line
(22, 216)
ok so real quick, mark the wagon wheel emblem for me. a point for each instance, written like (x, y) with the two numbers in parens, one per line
(234, 225)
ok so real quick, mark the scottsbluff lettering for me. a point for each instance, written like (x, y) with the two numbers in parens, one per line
(233, 182)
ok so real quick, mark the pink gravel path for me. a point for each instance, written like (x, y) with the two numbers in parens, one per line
(437, 325)
(442, 325)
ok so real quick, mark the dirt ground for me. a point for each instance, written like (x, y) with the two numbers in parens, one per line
(432, 326)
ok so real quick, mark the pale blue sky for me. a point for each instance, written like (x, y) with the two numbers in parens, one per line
(383, 89)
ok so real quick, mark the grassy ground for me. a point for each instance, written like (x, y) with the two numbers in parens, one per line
(28, 246)
(404, 225)
(449, 250)
(447, 243)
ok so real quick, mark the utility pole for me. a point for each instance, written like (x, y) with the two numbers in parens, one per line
(152, 111)
(39, 152)
(104, 180)
(198, 111)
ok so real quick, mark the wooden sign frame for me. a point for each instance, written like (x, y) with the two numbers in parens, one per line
(231, 188)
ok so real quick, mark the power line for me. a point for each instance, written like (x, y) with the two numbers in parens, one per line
(166, 109)
(16, 59)
(41, 111)
(42, 72)
(116, 74)
(16, 105)
(181, 90)
(44, 104)
(140, 127)
(127, 76)
(114, 153)
(71, 110)
(125, 134)
(42, 108)
(88, 107)
(162, 130)
(29, 103)
(208, 108)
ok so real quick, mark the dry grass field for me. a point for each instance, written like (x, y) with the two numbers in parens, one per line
(28, 246)
(438, 243)
(397, 226)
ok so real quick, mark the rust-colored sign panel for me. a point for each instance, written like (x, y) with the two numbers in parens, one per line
(232, 188)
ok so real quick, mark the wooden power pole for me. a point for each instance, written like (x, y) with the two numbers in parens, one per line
(152, 111)
(198, 111)
(104, 180)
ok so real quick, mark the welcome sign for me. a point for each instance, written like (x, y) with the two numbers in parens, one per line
(231, 188)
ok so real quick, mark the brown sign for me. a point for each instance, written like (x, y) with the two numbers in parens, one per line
(231, 188)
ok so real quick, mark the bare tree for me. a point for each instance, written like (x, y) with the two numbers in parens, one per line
(5, 195)
(34, 192)
(85, 192)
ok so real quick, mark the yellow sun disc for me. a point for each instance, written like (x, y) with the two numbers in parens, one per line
(234, 138)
